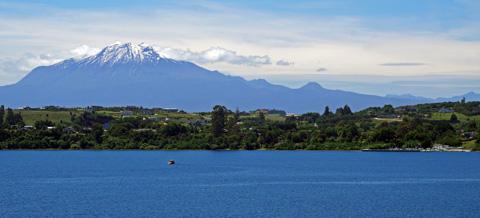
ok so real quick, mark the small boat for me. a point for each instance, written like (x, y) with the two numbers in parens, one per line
(171, 162)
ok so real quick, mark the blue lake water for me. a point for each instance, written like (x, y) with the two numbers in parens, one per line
(238, 184)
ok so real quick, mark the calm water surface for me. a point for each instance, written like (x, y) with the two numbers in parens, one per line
(238, 184)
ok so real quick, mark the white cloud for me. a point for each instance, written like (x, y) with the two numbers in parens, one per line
(84, 51)
(284, 63)
(14, 69)
(321, 69)
(29, 61)
(215, 55)
(402, 64)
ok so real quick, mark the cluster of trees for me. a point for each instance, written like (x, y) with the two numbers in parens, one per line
(228, 129)
(8, 118)
(467, 108)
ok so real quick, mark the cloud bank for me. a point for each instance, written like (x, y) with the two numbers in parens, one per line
(84, 51)
(284, 63)
(214, 55)
(402, 64)
(321, 69)
(15, 69)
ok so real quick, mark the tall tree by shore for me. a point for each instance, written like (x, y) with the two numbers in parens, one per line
(218, 120)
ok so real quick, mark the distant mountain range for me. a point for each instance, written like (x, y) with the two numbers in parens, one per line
(470, 96)
(129, 74)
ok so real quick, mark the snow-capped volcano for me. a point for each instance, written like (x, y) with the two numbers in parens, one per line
(135, 74)
(119, 53)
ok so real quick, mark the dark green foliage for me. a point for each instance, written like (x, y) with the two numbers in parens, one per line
(347, 110)
(10, 117)
(219, 114)
(450, 139)
(97, 132)
(241, 130)
(2, 114)
(327, 112)
(310, 117)
(343, 111)
(347, 131)
(453, 118)
(261, 117)
(13, 119)
(173, 129)
(383, 133)
(43, 124)
(388, 108)
(478, 138)
(88, 119)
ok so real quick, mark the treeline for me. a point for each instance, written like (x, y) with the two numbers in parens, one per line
(226, 129)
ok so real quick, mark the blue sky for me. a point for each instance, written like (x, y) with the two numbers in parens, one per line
(369, 46)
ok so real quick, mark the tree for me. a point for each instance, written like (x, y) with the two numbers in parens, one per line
(453, 118)
(43, 124)
(18, 120)
(261, 116)
(174, 129)
(450, 138)
(2, 114)
(388, 108)
(478, 137)
(383, 133)
(310, 117)
(343, 111)
(218, 120)
(236, 116)
(339, 111)
(97, 132)
(10, 117)
(327, 112)
(347, 110)
(347, 131)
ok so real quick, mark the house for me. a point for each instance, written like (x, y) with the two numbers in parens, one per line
(147, 112)
(69, 129)
(469, 135)
(155, 118)
(106, 126)
(445, 110)
(27, 127)
(126, 113)
(198, 122)
(89, 110)
(170, 109)
(408, 108)
(388, 116)
(145, 130)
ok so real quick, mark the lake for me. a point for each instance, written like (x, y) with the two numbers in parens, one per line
(238, 184)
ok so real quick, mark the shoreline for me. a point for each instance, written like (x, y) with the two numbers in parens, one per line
(221, 150)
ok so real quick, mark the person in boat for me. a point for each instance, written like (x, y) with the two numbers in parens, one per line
(171, 162)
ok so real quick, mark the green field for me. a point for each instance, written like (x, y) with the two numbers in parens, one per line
(114, 114)
(271, 117)
(31, 116)
(388, 120)
(472, 145)
(275, 117)
(461, 117)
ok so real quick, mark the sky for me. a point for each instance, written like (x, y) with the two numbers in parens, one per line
(428, 48)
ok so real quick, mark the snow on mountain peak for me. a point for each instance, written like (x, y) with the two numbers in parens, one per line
(124, 53)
